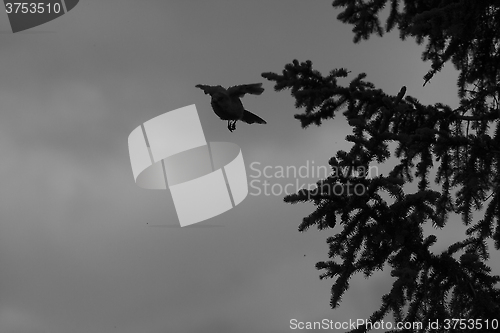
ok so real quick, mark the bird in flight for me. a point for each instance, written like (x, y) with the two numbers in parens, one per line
(227, 103)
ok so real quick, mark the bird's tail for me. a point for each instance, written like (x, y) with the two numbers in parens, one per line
(250, 118)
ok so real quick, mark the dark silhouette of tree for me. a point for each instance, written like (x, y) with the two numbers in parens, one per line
(465, 142)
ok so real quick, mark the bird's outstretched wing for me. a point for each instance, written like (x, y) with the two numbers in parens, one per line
(400, 95)
(241, 90)
(250, 118)
(210, 90)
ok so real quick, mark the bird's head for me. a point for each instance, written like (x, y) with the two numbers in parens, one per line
(218, 89)
(219, 97)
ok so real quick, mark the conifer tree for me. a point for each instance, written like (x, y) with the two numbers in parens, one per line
(465, 142)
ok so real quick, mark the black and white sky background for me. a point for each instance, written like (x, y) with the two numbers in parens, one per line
(77, 250)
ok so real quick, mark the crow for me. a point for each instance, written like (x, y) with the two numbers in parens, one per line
(227, 105)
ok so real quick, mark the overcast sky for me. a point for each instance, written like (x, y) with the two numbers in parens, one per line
(84, 249)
